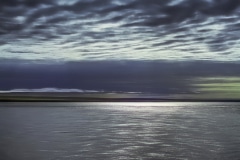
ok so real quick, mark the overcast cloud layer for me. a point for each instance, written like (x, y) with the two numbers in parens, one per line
(159, 77)
(120, 29)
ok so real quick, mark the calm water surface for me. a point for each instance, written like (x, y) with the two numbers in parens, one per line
(119, 131)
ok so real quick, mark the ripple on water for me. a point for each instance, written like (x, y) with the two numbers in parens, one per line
(121, 131)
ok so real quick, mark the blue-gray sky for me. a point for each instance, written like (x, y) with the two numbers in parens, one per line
(157, 77)
(109, 44)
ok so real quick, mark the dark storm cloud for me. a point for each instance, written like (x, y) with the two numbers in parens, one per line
(185, 26)
(111, 76)
(222, 7)
(87, 6)
(28, 3)
(163, 12)
(150, 13)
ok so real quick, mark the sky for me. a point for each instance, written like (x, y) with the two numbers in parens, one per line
(150, 46)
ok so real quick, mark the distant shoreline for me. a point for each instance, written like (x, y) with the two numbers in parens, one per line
(97, 97)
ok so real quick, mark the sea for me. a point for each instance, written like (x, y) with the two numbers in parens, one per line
(120, 131)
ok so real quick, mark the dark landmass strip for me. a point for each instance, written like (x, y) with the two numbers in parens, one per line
(96, 97)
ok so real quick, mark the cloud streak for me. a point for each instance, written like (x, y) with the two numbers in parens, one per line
(45, 90)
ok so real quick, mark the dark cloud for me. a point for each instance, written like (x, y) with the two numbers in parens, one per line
(151, 13)
(221, 7)
(89, 6)
(10, 27)
(112, 76)
(162, 12)
(28, 3)
(15, 51)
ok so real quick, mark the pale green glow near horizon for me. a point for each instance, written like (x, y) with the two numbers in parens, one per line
(218, 87)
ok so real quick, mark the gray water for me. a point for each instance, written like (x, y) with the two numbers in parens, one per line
(119, 131)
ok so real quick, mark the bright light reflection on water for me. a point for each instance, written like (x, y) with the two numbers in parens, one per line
(107, 131)
(141, 107)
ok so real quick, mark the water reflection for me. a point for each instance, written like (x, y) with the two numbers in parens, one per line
(141, 107)
(120, 131)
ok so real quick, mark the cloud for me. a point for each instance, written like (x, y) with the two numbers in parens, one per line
(160, 77)
(133, 29)
(27, 3)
